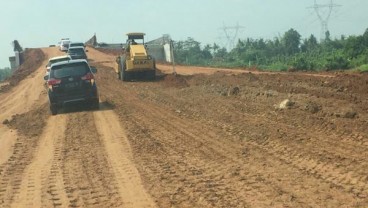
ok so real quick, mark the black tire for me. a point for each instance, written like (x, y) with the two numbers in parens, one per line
(153, 75)
(122, 64)
(124, 74)
(95, 104)
(53, 109)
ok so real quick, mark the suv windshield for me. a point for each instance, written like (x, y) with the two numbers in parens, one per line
(76, 44)
(76, 51)
(58, 60)
(69, 70)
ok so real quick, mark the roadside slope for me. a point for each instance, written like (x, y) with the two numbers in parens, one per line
(18, 100)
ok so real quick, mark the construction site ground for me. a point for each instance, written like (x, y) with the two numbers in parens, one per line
(203, 138)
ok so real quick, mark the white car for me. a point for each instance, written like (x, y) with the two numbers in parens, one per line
(64, 44)
(56, 59)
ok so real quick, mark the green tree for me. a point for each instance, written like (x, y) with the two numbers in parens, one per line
(280, 53)
(189, 52)
(206, 52)
(309, 44)
(220, 54)
(5, 73)
(291, 42)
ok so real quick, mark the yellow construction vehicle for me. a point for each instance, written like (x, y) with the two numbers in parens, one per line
(135, 63)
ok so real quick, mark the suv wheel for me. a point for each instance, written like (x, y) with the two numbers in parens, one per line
(53, 109)
(95, 104)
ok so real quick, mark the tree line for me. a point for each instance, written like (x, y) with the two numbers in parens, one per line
(5, 73)
(288, 52)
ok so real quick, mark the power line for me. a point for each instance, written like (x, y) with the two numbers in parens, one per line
(324, 15)
(231, 33)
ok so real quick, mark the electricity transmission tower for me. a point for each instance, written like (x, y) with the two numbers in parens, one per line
(323, 12)
(231, 34)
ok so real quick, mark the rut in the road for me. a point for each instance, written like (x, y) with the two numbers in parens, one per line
(88, 177)
(34, 189)
(24, 151)
(116, 143)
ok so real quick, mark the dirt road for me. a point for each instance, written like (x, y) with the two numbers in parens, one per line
(206, 138)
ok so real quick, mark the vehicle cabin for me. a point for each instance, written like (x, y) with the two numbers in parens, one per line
(134, 39)
(135, 36)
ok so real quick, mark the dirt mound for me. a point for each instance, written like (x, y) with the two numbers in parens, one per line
(114, 52)
(177, 81)
(33, 59)
(30, 124)
(357, 83)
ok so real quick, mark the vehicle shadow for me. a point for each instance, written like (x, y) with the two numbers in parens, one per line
(83, 107)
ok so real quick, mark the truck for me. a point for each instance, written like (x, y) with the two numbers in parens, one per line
(135, 63)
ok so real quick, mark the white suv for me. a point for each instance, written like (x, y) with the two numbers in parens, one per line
(56, 59)
(64, 44)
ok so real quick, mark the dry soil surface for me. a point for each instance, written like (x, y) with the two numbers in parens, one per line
(203, 138)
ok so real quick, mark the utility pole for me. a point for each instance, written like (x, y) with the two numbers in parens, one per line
(231, 34)
(325, 17)
(172, 56)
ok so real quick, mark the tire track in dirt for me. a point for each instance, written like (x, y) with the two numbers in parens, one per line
(163, 130)
(119, 153)
(213, 161)
(53, 191)
(349, 179)
(348, 176)
(322, 171)
(6, 142)
(229, 161)
(88, 177)
(191, 132)
(11, 173)
(324, 147)
(31, 191)
(240, 151)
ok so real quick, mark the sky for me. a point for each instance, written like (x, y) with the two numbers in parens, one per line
(40, 23)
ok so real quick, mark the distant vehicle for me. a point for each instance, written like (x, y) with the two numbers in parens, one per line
(70, 82)
(76, 44)
(56, 59)
(64, 44)
(77, 52)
